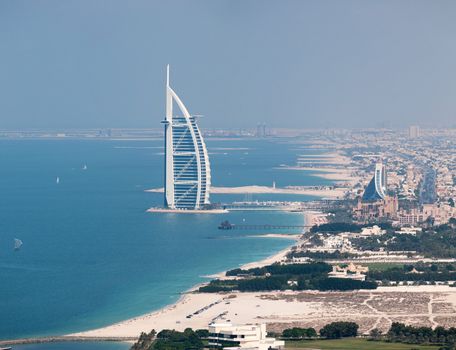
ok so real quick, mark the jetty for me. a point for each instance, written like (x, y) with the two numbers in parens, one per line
(226, 225)
(64, 338)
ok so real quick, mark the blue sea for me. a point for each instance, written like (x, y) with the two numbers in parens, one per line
(92, 256)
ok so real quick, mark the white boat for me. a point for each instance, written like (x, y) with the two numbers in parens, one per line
(17, 244)
(57, 181)
(84, 167)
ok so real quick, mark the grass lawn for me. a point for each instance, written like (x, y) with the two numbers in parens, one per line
(354, 344)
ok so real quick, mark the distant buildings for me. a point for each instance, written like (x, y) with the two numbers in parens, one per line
(261, 130)
(414, 131)
(432, 214)
(187, 168)
(375, 205)
(375, 211)
(351, 271)
(232, 337)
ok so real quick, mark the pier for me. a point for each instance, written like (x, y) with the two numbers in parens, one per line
(64, 338)
(226, 225)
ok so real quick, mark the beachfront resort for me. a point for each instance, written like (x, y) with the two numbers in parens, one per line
(363, 266)
(372, 249)
(230, 175)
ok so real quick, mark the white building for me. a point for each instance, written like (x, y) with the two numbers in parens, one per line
(372, 231)
(336, 242)
(351, 271)
(245, 337)
(409, 230)
(187, 168)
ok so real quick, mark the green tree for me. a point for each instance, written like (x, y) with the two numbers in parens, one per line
(375, 334)
(299, 333)
(336, 330)
(145, 341)
(174, 340)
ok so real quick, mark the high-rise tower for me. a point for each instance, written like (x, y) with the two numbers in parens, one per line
(187, 168)
(414, 131)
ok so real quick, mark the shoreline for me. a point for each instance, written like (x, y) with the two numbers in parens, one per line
(148, 321)
(128, 330)
(174, 315)
(310, 217)
(335, 166)
(127, 326)
(339, 175)
(283, 309)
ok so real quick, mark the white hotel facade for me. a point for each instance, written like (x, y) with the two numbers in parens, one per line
(187, 168)
(245, 337)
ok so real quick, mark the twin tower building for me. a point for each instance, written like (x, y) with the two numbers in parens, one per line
(187, 168)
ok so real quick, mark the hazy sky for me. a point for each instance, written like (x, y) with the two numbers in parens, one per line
(93, 63)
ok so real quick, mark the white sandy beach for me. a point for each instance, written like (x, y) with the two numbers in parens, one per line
(425, 305)
(171, 315)
(331, 166)
(327, 172)
(197, 310)
(174, 316)
(334, 158)
(417, 305)
(276, 235)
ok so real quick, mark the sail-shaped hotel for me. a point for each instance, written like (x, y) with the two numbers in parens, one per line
(376, 189)
(187, 169)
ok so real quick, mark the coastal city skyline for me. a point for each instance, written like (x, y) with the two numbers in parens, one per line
(289, 184)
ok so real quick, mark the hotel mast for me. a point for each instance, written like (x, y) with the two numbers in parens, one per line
(187, 168)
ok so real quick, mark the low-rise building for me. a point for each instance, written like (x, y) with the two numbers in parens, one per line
(374, 211)
(372, 231)
(352, 271)
(409, 230)
(241, 337)
(438, 214)
(410, 217)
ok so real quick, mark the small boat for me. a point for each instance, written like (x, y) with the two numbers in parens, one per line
(17, 245)
(57, 181)
(8, 348)
(84, 167)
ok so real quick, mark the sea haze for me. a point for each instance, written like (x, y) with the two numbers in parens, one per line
(92, 256)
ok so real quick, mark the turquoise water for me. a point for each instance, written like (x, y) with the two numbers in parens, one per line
(92, 255)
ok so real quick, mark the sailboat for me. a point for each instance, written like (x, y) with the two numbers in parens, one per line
(17, 244)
